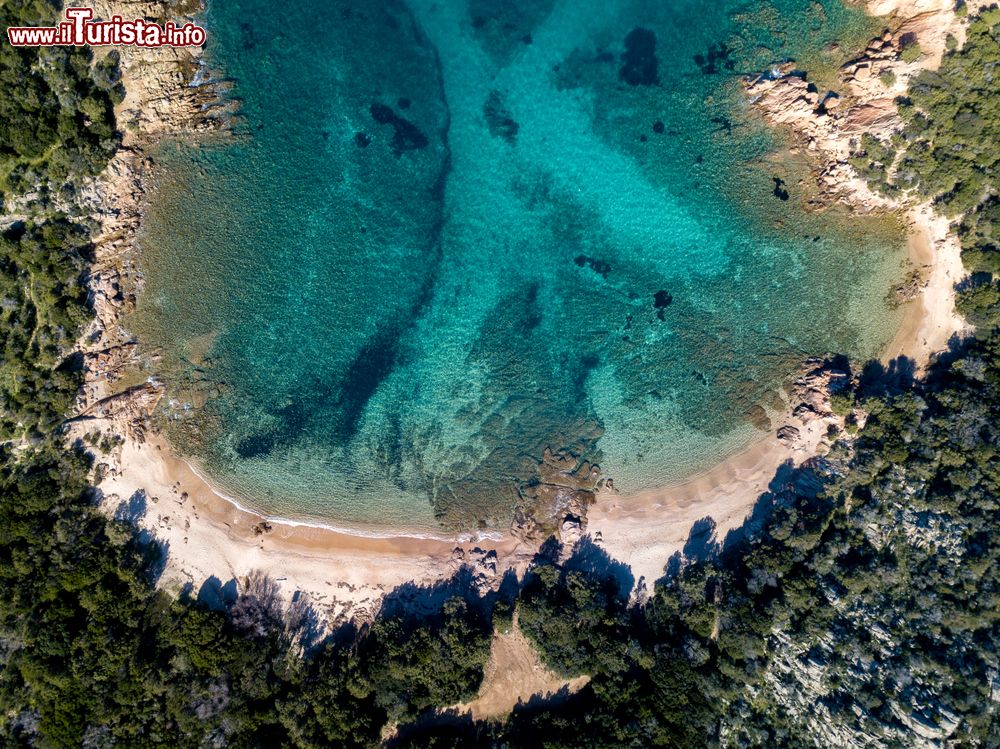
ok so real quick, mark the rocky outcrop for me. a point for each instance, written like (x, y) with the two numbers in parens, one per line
(811, 421)
(167, 91)
(821, 378)
(829, 124)
(484, 567)
(127, 411)
(557, 502)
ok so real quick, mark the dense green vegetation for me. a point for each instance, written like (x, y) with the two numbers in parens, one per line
(56, 121)
(948, 149)
(44, 306)
(858, 604)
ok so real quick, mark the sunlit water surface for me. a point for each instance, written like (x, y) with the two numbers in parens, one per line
(452, 233)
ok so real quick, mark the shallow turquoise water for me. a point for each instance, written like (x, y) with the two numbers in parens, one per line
(452, 233)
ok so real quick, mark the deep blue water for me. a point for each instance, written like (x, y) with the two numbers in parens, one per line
(452, 233)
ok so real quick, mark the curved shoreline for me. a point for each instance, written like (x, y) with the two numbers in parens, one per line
(346, 571)
(207, 535)
(347, 530)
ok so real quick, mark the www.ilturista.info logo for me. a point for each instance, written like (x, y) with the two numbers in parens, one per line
(79, 31)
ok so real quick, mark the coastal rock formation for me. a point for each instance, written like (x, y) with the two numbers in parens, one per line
(483, 565)
(167, 89)
(557, 501)
(127, 411)
(811, 410)
(821, 378)
(166, 92)
(828, 124)
(789, 434)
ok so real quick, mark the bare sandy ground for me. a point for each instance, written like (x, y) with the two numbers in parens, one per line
(931, 320)
(645, 529)
(513, 675)
(208, 536)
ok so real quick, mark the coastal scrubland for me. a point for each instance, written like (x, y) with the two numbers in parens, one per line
(56, 117)
(857, 606)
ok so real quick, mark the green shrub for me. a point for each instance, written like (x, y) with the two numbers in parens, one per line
(842, 402)
(911, 53)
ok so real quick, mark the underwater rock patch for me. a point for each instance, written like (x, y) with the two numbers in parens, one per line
(715, 59)
(406, 136)
(661, 300)
(498, 118)
(600, 267)
(639, 63)
(779, 189)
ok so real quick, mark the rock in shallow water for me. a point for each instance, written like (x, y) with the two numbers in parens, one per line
(639, 63)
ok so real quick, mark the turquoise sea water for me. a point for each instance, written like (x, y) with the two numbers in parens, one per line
(452, 233)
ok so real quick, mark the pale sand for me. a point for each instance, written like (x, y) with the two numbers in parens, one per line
(513, 675)
(931, 320)
(344, 574)
(645, 529)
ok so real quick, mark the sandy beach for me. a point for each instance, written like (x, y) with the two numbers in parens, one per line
(346, 574)
(208, 538)
(645, 529)
(931, 319)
